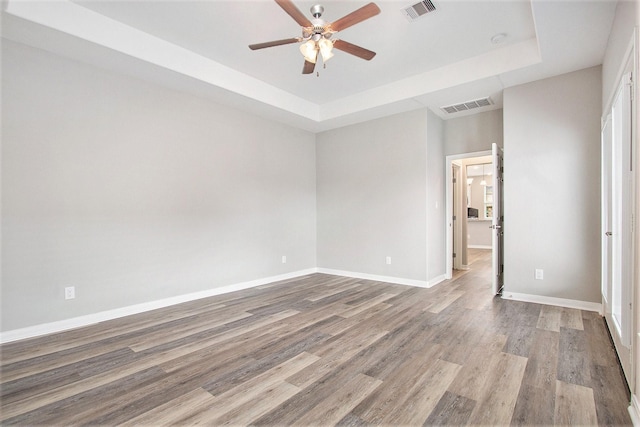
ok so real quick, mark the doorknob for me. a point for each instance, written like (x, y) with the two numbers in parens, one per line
(608, 234)
(495, 227)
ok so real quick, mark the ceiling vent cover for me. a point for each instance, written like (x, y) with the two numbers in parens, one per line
(419, 9)
(469, 105)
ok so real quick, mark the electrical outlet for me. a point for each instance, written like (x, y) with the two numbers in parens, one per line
(284, 259)
(539, 274)
(70, 292)
(388, 260)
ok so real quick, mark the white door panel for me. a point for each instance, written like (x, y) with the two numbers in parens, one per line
(497, 223)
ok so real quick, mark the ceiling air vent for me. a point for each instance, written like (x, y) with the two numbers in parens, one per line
(419, 9)
(469, 105)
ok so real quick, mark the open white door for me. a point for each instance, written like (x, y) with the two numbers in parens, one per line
(497, 223)
(618, 195)
(607, 215)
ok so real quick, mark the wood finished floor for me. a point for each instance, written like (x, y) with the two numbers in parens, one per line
(325, 350)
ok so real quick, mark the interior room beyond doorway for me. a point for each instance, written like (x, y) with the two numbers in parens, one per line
(470, 202)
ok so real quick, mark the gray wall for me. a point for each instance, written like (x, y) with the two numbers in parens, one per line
(615, 57)
(474, 133)
(134, 193)
(552, 186)
(372, 197)
(479, 234)
(436, 209)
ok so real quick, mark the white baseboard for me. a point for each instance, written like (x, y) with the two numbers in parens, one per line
(76, 322)
(366, 276)
(634, 410)
(90, 319)
(479, 246)
(436, 280)
(561, 302)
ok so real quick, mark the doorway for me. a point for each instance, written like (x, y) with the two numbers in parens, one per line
(464, 190)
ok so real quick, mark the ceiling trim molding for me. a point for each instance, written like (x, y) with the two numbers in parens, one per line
(75, 20)
(490, 64)
(73, 31)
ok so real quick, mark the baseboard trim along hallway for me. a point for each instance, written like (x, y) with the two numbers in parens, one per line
(90, 319)
(560, 302)
(634, 410)
(378, 278)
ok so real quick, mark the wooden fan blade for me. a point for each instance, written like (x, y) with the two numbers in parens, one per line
(294, 12)
(365, 12)
(353, 49)
(308, 67)
(273, 43)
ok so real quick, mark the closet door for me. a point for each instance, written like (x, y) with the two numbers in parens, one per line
(617, 194)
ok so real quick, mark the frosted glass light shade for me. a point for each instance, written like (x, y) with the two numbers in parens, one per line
(309, 51)
(326, 47)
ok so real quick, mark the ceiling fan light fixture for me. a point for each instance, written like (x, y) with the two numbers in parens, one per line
(326, 47)
(317, 33)
(309, 50)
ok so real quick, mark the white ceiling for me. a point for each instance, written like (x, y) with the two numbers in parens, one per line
(445, 57)
(482, 169)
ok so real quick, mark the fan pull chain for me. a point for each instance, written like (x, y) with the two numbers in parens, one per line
(318, 72)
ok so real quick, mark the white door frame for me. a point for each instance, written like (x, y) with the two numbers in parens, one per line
(456, 228)
(449, 204)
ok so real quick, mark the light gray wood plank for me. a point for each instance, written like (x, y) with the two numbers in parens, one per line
(174, 410)
(451, 410)
(424, 396)
(571, 318)
(541, 370)
(501, 391)
(340, 403)
(535, 406)
(250, 390)
(575, 405)
(549, 318)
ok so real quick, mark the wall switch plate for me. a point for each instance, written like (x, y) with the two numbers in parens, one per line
(284, 259)
(70, 292)
(388, 260)
(539, 274)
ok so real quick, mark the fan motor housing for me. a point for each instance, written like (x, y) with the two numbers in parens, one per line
(317, 11)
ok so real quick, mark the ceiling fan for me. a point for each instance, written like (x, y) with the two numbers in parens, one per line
(316, 34)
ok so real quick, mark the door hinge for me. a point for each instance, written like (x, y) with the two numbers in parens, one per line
(455, 180)
(454, 254)
(454, 217)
